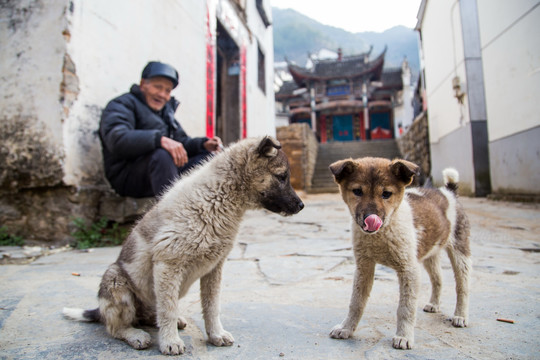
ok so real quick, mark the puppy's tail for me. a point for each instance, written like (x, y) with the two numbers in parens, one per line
(451, 179)
(82, 315)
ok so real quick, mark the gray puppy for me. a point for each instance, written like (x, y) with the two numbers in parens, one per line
(187, 236)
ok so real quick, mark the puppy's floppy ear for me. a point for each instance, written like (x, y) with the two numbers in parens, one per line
(268, 147)
(342, 169)
(404, 170)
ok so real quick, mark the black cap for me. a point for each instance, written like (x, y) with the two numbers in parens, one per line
(156, 68)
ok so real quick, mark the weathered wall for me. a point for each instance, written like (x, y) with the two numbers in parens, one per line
(34, 90)
(31, 144)
(300, 145)
(46, 214)
(414, 144)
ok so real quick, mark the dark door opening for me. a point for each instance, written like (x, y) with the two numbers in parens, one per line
(228, 122)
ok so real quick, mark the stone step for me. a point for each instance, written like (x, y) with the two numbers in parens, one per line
(324, 189)
(124, 209)
(324, 182)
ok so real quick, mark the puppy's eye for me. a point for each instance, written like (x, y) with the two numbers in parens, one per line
(386, 194)
(358, 192)
(281, 177)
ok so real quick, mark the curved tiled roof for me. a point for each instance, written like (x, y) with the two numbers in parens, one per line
(348, 67)
(287, 88)
(392, 78)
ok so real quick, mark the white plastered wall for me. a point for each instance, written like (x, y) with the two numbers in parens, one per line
(261, 105)
(511, 60)
(442, 47)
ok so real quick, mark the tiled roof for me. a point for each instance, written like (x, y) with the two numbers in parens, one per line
(391, 78)
(287, 89)
(348, 67)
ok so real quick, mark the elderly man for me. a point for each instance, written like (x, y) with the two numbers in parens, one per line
(144, 147)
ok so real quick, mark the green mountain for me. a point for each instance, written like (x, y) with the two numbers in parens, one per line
(296, 35)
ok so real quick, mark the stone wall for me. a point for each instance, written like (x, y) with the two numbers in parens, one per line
(414, 145)
(300, 145)
(46, 214)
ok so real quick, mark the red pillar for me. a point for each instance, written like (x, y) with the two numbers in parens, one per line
(362, 126)
(322, 132)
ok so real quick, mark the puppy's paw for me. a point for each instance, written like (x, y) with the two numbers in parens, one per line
(338, 332)
(223, 338)
(138, 339)
(172, 347)
(182, 323)
(400, 342)
(430, 308)
(459, 321)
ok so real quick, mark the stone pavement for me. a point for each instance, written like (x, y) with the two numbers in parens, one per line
(286, 284)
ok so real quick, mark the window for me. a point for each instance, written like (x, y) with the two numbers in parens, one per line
(261, 72)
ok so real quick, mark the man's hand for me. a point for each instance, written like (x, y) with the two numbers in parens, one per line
(213, 144)
(176, 149)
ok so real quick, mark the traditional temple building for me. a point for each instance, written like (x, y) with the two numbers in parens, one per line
(351, 98)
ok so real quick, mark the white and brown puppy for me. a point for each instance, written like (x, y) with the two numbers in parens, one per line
(402, 229)
(186, 236)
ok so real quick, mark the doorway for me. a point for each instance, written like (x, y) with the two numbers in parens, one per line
(381, 126)
(342, 127)
(228, 122)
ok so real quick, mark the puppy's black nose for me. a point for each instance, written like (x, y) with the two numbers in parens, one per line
(301, 205)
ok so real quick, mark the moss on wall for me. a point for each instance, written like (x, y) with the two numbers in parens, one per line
(28, 158)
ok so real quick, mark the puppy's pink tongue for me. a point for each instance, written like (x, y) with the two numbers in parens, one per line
(372, 223)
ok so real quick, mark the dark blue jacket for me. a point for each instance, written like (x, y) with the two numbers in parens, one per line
(129, 129)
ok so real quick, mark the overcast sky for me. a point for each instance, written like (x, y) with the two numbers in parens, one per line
(356, 15)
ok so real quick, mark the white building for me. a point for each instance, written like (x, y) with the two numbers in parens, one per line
(63, 60)
(403, 110)
(481, 66)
